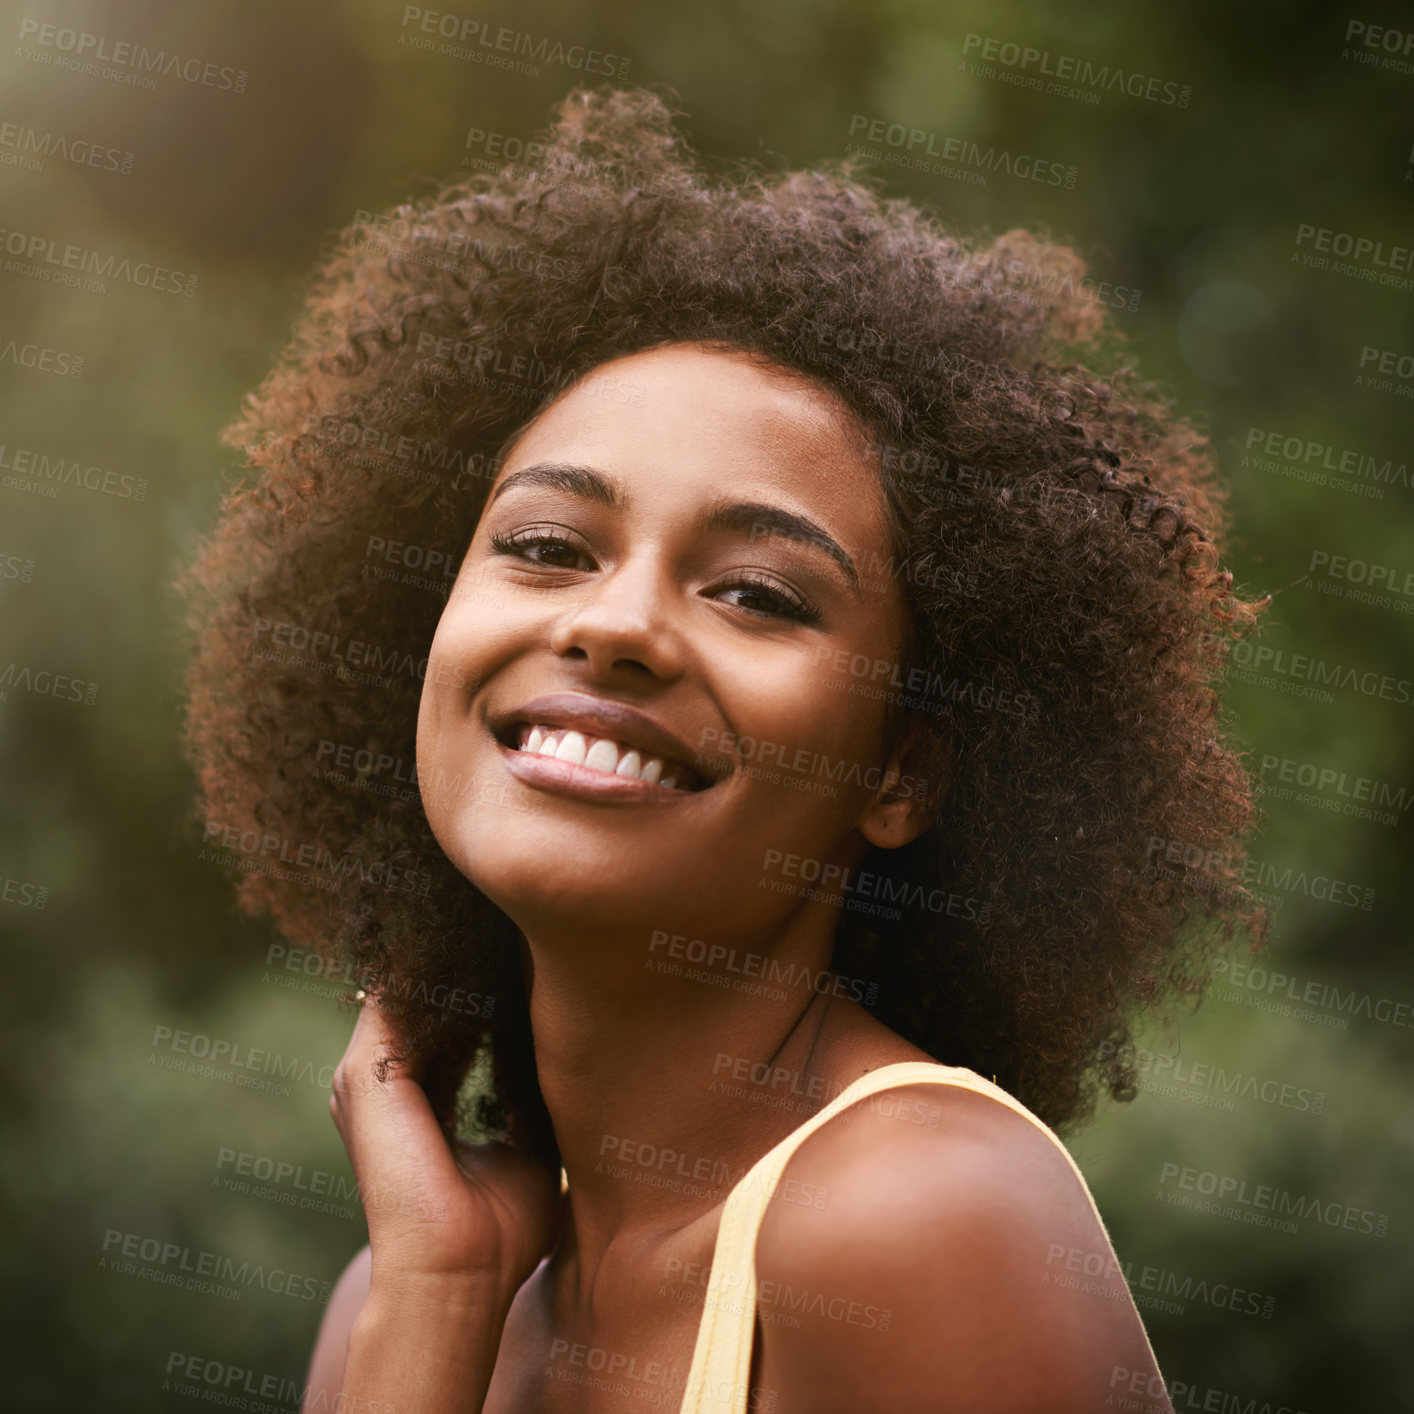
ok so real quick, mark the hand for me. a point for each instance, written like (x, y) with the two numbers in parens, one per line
(440, 1211)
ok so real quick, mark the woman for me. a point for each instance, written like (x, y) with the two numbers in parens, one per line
(816, 768)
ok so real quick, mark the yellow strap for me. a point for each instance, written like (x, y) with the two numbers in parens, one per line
(718, 1380)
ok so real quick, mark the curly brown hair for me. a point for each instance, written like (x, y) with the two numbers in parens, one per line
(1054, 529)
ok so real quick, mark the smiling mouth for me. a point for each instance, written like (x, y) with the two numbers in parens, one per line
(603, 755)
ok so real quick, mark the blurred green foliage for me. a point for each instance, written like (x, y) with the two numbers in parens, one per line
(1197, 207)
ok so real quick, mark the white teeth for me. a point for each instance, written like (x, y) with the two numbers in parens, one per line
(571, 748)
(603, 756)
(597, 753)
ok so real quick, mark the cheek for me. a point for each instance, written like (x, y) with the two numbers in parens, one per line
(807, 763)
(432, 704)
(428, 718)
(443, 722)
(806, 724)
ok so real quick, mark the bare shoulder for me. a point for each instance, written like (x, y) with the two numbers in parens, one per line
(331, 1348)
(931, 1267)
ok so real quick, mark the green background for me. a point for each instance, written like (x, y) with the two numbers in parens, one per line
(1197, 207)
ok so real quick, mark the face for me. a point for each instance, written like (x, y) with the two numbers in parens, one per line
(676, 565)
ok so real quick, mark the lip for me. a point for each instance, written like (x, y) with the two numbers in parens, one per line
(597, 716)
(585, 783)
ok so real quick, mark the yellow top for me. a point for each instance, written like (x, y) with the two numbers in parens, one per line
(721, 1362)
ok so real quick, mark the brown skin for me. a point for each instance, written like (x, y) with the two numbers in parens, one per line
(454, 1313)
(1056, 525)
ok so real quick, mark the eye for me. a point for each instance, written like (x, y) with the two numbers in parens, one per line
(524, 545)
(779, 601)
(538, 546)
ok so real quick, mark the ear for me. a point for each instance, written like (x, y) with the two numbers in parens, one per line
(905, 804)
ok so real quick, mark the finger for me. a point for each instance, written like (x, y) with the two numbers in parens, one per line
(388, 1126)
(375, 1037)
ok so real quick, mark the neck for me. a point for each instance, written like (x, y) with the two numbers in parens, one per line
(649, 1047)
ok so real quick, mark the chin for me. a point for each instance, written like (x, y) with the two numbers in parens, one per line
(536, 880)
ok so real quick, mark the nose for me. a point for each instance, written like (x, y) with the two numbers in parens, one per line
(628, 618)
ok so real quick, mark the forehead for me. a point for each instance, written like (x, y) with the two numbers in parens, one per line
(687, 422)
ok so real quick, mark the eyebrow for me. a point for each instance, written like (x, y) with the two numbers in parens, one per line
(752, 517)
